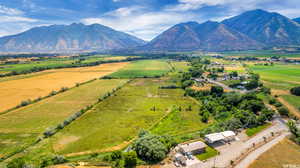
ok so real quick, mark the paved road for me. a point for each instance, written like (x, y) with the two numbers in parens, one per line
(225, 87)
(255, 154)
(231, 151)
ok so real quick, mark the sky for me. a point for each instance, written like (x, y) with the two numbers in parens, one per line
(142, 18)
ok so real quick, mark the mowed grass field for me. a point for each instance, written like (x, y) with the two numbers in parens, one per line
(283, 154)
(23, 87)
(22, 126)
(280, 76)
(143, 68)
(118, 119)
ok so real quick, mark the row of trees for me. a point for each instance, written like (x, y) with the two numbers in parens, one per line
(44, 161)
(295, 131)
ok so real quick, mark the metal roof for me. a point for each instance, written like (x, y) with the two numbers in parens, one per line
(193, 146)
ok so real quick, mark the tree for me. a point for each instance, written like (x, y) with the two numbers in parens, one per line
(252, 105)
(218, 90)
(130, 159)
(233, 74)
(205, 117)
(295, 91)
(252, 84)
(151, 148)
(283, 111)
(16, 163)
(187, 83)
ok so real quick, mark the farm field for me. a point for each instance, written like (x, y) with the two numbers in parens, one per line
(280, 76)
(18, 88)
(29, 65)
(284, 153)
(24, 125)
(144, 68)
(118, 119)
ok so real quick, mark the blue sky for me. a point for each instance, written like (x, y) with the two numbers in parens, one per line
(142, 18)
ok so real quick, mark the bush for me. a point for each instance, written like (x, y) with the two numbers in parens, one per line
(130, 159)
(295, 91)
(16, 163)
(283, 111)
(152, 148)
(218, 90)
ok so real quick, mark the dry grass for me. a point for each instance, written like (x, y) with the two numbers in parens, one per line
(14, 90)
(285, 152)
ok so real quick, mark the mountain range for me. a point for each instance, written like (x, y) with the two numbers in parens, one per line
(208, 36)
(254, 29)
(251, 30)
(74, 37)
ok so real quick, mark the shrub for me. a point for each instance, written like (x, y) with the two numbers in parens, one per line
(218, 90)
(295, 91)
(153, 148)
(130, 159)
(16, 163)
(283, 111)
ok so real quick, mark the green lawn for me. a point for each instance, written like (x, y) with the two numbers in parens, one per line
(143, 68)
(210, 152)
(253, 131)
(22, 126)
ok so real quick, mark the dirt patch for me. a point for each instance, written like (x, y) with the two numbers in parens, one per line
(65, 141)
(140, 82)
(279, 92)
(114, 148)
(206, 87)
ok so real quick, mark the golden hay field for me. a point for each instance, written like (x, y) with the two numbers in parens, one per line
(284, 153)
(23, 87)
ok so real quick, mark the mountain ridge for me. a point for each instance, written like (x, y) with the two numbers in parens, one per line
(270, 28)
(73, 37)
(209, 36)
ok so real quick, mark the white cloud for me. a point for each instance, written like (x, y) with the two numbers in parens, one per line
(5, 19)
(185, 5)
(14, 21)
(136, 21)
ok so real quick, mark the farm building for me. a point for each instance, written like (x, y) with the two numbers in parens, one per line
(193, 148)
(221, 136)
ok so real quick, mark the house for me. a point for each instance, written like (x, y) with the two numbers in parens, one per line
(221, 136)
(193, 148)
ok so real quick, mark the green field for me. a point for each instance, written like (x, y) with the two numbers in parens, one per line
(260, 53)
(144, 68)
(120, 117)
(37, 64)
(293, 100)
(180, 122)
(22, 126)
(280, 76)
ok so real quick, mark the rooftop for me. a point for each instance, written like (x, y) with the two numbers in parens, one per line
(193, 146)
